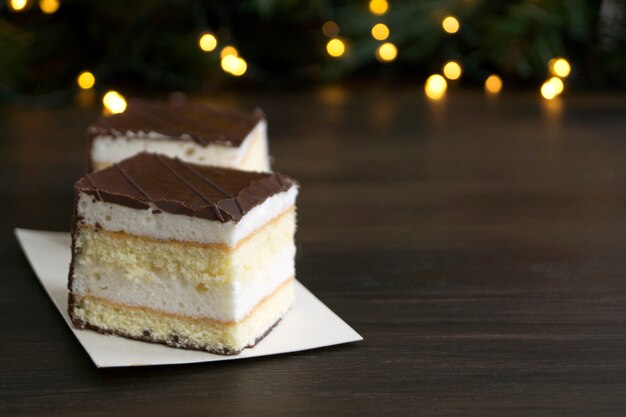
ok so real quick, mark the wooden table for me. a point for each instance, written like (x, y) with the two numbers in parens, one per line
(478, 245)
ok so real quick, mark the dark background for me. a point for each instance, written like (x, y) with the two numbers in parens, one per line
(151, 46)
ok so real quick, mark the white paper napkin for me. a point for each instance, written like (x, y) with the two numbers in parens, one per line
(308, 325)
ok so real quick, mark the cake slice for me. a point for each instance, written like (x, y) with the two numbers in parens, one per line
(187, 255)
(195, 133)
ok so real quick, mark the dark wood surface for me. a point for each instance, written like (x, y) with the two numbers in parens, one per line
(478, 245)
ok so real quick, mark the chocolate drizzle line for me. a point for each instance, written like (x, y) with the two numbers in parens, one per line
(280, 180)
(130, 180)
(188, 184)
(93, 184)
(211, 183)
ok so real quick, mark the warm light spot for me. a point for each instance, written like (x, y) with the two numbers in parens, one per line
(452, 70)
(228, 50)
(229, 62)
(559, 67)
(85, 80)
(557, 84)
(234, 65)
(435, 86)
(114, 102)
(335, 47)
(330, 29)
(450, 24)
(493, 84)
(49, 6)
(239, 68)
(387, 52)
(207, 42)
(548, 90)
(379, 7)
(18, 5)
(380, 31)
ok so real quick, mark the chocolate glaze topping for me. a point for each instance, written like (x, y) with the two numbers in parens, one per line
(177, 187)
(182, 121)
(88, 177)
(190, 185)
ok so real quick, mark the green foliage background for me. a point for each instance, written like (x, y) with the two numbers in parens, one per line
(153, 44)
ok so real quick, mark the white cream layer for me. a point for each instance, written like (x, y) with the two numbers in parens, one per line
(229, 302)
(251, 155)
(168, 226)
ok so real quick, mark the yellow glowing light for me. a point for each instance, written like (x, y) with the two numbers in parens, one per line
(335, 47)
(379, 7)
(18, 5)
(559, 67)
(228, 50)
(380, 31)
(548, 90)
(493, 84)
(557, 84)
(330, 29)
(114, 102)
(450, 24)
(207, 42)
(49, 6)
(234, 65)
(85, 80)
(239, 68)
(435, 86)
(229, 62)
(387, 52)
(452, 70)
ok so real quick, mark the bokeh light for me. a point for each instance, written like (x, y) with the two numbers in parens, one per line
(452, 70)
(379, 7)
(380, 32)
(49, 6)
(335, 47)
(548, 90)
(239, 68)
(18, 5)
(114, 102)
(435, 87)
(493, 84)
(85, 80)
(450, 24)
(330, 29)
(234, 65)
(228, 50)
(557, 84)
(559, 67)
(387, 52)
(207, 42)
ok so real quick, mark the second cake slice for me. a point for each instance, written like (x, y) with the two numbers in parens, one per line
(187, 255)
(195, 133)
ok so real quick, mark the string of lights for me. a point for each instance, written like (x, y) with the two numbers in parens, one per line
(391, 44)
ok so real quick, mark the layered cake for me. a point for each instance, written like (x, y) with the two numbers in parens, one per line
(187, 255)
(195, 133)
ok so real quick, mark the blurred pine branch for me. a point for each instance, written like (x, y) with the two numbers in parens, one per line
(154, 44)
